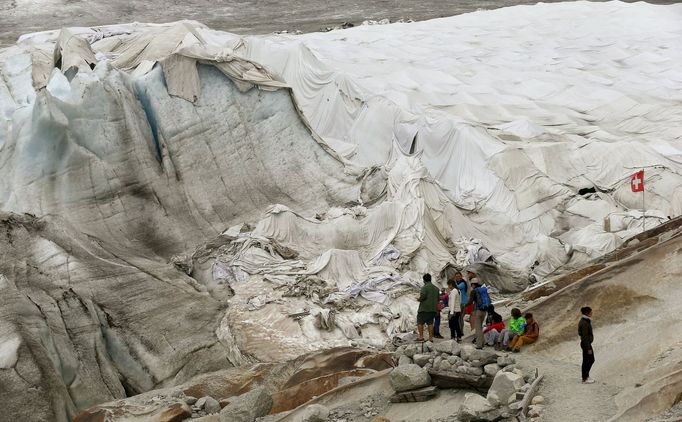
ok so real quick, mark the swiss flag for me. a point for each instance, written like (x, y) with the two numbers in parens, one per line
(637, 181)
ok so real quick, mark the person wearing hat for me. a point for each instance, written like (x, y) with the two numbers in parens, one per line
(479, 314)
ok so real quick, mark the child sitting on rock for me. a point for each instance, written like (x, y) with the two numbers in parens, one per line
(530, 334)
(492, 330)
(517, 323)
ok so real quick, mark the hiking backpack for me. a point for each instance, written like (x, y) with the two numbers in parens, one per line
(483, 300)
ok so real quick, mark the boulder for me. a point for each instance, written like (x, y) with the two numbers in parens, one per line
(474, 408)
(460, 381)
(211, 406)
(485, 356)
(455, 360)
(404, 360)
(538, 400)
(504, 386)
(313, 413)
(410, 350)
(474, 370)
(450, 347)
(409, 377)
(175, 413)
(207, 418)
(421, 359)
(505, 360)
(445, 366)
(201, 402)
(247, 407)
(491, 369)
(437, 361)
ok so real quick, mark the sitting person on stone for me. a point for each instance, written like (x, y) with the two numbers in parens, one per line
(517, 323)
(492, 315)
(492, 330)
(530, 334)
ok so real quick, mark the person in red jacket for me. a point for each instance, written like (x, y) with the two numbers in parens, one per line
(442, 296)
(492, 331)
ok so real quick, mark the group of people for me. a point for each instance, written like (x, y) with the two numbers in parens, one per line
(470, 297)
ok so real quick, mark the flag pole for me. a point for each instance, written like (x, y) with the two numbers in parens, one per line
(643, 206)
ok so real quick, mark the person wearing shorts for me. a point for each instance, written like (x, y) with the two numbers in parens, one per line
(428, 306)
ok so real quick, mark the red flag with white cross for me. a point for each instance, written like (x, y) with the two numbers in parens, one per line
(637, 181)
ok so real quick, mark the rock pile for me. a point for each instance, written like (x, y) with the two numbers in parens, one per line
(421, 368)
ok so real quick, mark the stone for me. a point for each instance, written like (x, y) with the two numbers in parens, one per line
(460, 381)
(509, 368)
(313, 413)
(421, 359)
(419, 395)
(485, 356)
(207, 418)
(524, 387)
(505, 385)
(410, 350)
(474, 370)
(437, 361)
(404, 360)
(477, 363)
(175, 413)
(428, 366)
(190, 400)
(491, 369)
(473, 408)
(538, 400)
(535, 411)
(515, 405)
(462, 369)
(448, 346)
(247, 407)
(409, 377)
(199, 404)
(505, 360)
(445, 366)
(454, 360)
(211, 405)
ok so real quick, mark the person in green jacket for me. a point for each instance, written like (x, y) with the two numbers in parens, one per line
(428, 306)
(515, 327)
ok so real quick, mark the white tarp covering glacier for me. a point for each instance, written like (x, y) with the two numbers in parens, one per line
(319, 175)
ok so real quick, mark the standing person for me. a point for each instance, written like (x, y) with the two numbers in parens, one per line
(428, 306)
(586, 339)
(463, 289)
(442, 298)
(517, 323)
(530, 334)
(454, 312)
(480, 300)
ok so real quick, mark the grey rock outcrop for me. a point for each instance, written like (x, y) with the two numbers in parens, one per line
(247, 407)
(313, 413)
(473, 408)
(409, 377)
(504, 386)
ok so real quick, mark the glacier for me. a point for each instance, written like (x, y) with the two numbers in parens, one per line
(163, 183)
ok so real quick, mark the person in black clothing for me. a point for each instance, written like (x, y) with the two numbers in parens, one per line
(586, 338)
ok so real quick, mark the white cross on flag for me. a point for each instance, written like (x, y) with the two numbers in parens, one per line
(637, 181)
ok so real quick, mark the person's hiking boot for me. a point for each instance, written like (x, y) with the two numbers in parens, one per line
(588, 381)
